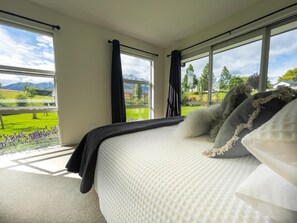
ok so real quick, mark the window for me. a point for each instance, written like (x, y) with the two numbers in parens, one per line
(234, 64)
(28, 108)
(241, 59)
(194, 84)
(282, 67)
(137, 75)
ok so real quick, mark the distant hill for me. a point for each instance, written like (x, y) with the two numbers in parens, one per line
(20, 86)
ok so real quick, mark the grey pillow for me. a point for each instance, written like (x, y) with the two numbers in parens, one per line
(231, 101)
(249, 115)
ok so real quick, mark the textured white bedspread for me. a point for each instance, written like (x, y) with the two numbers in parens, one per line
(153, 176)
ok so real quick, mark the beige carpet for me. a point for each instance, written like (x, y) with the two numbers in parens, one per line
(34, 197)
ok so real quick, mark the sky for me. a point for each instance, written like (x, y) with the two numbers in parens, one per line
(21, 48)
(135, 65)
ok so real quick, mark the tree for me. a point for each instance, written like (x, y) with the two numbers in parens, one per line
(138, 91)
(184, 84)
(268, 84)
(31, 93)
(203, 81)
(190, 80)
(195, 82)
(290, 75)
(190, 69)
(225, 78)
(253, 81)
(1, 103)
(235, 81)
(21, 100)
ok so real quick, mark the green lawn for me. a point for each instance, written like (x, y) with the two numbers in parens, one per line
(185, 110)
(22, 132)
(25, 122)
(133, 114)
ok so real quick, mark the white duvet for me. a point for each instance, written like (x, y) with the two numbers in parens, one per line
(154, 176)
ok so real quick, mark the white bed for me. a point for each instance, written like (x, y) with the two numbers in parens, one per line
(154, 176)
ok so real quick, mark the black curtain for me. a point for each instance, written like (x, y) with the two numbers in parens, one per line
(174, 93)
(117, 88)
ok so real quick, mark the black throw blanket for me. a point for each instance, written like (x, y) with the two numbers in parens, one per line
(83, 160)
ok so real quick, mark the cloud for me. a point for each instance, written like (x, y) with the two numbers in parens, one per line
(198, 66)
(137, 66)
(26, 49)
(283, 44)
(6, 79)
(243, 60)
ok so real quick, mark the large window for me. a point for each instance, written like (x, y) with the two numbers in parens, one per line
(262, 59)
(137, 76)
(28, 108)
(282, 68)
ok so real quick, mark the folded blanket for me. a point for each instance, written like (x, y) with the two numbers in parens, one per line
(83, 160)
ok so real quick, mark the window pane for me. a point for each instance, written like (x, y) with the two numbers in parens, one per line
(21, 48)
(137, 87)
(282, 67)
(135, 68)
(26, 91)
(240, 64)
(194, 85)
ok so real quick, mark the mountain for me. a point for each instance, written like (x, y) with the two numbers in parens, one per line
(145, 88)
(133, 77)
(20, 86)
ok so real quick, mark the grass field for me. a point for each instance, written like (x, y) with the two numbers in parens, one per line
(185, 110)
(133, 114)
(22, 132)
(24, 122)
(12, 95)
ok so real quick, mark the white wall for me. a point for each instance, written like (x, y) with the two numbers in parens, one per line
(256, 11)
(83, 66)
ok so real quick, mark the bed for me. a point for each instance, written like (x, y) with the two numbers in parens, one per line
(150, 171)
(152, 176)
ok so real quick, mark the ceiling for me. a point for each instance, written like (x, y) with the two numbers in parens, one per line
(159, 22)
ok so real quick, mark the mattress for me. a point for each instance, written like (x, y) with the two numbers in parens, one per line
(154, 176)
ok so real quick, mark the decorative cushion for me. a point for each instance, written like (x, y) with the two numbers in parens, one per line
(231, 101)
(249, 115)
(275, 142)
(197, 122)
(270, 194)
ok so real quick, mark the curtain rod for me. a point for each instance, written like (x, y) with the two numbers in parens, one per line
(33, 20)
(154, 54)
(230, 31)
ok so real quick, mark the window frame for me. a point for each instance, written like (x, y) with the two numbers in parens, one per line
(31, 72)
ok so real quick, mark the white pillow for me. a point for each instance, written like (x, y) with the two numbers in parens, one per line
(197, 122)
(275, 142)
(270, 194)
